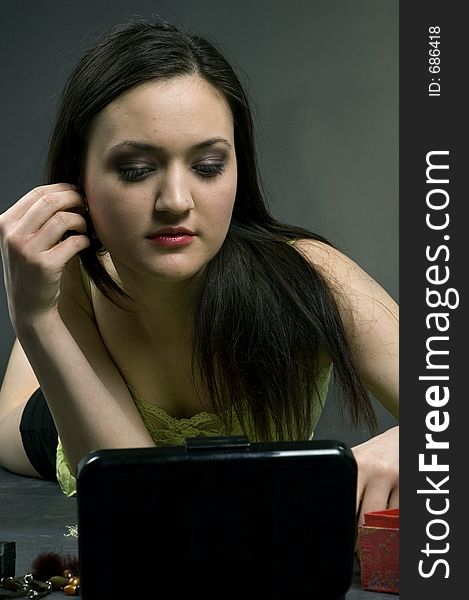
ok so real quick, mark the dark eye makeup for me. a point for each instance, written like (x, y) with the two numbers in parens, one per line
(204, 170)
(133, 173)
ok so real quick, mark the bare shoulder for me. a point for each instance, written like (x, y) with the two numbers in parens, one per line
(352, 286)
(74, 298)
(370, 317)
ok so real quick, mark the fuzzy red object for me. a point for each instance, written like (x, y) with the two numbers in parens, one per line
(379, 551)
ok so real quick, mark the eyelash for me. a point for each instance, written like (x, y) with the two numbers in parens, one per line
(133, 174)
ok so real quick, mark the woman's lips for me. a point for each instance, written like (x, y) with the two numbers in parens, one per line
(172, 239)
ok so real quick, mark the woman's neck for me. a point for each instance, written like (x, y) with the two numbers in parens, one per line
(162, 306)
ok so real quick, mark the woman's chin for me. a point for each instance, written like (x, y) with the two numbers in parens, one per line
(176, 275)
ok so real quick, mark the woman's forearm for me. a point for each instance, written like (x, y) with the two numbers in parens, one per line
(87, 414)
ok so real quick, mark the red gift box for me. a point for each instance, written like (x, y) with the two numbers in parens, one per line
(378, 540)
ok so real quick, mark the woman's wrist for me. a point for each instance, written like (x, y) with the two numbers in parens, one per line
(37, 326)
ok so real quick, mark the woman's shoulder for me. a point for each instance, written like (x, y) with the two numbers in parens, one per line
(331, 262)
(370, 317)
(77, 285)
(75, 288)
(348, 280)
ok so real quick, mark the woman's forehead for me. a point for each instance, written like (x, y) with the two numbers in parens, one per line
(186, 108)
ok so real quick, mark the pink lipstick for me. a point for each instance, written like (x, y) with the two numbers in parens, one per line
(172, 237)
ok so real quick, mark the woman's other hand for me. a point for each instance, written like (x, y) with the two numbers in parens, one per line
(378, 473)
(39, 234)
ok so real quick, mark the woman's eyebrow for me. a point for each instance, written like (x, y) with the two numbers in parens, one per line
(146, 147)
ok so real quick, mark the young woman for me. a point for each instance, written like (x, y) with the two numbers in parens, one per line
(153, 295)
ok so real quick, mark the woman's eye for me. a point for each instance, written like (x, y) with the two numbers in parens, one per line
(210, 170)
(139, 173)
(133, 173)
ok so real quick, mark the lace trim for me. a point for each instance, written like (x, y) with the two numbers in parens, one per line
(168, 430)
(161, 414)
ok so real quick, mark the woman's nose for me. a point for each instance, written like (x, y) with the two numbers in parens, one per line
(174, 193)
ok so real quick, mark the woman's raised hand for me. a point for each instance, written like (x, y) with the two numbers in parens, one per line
(39, 234)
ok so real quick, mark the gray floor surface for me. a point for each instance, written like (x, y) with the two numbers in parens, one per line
(37, 517)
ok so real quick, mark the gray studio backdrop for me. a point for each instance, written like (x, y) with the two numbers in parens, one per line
(323, 79)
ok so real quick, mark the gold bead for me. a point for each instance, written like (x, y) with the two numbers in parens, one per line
(70, 590)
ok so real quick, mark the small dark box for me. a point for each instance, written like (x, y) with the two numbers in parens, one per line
(7, 559)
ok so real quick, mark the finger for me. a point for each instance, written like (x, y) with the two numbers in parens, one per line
(59, 255)
(393, 501)
(52, 232)
(375, 497)
(360, 490)
(21, 207)
(46, 207)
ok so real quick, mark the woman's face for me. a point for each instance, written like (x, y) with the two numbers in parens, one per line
(160, 177)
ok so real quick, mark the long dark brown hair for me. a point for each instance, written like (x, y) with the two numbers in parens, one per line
(265, 315)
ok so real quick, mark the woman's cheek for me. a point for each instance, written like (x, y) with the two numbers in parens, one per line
(109, 221)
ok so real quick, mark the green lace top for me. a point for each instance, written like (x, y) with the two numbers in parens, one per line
(170, 431)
